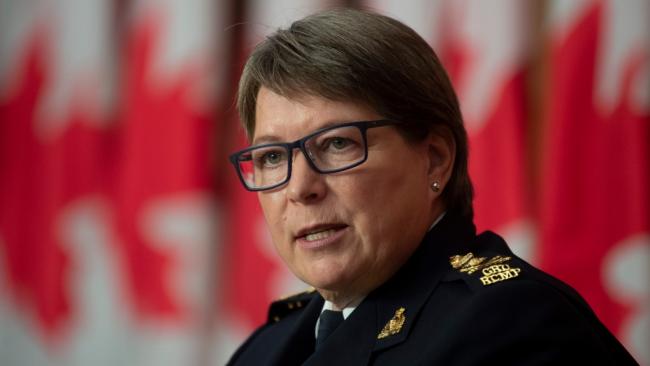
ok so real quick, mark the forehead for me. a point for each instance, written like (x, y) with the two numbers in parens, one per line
(285, 119)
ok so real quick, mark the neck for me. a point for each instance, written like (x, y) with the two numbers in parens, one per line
(339, 300)
(357, 289)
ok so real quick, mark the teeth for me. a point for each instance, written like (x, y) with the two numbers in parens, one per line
(319, 235)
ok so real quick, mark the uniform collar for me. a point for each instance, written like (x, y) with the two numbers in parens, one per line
(354, 341)
(345, 312)
(414, 283)
(353, 305)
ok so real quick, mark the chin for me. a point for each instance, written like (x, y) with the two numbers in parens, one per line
(327, 272)
(326, 279)
(339, 284)
(329, 282)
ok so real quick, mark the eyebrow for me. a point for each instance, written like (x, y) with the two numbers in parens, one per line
(265, 139)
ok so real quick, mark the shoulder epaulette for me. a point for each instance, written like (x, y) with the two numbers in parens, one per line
(288, 304)
(483, 270)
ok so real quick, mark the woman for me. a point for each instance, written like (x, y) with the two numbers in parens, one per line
(359, 157)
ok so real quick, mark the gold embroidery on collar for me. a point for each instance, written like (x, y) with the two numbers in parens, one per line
(497, 273)
(469, 264)
(394, 325)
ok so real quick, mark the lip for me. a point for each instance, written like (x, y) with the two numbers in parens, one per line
(339, 231)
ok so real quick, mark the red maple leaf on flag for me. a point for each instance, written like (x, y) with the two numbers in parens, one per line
(497, 135)
(39, 178)
(165, 150)
(160, 148)
(595, 188)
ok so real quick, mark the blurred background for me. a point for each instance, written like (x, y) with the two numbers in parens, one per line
(126, 239)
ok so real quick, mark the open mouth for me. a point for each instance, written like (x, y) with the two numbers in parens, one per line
(320, 235)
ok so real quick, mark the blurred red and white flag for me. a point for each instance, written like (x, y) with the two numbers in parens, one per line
(485, 48)
(55, 260)
(595, 220)
(106, 218)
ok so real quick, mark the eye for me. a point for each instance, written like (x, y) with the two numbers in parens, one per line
(272, 158)
(338, 143)
(269, 157)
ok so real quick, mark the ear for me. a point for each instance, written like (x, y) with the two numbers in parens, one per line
(442, 155)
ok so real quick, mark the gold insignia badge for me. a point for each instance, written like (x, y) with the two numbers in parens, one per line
(469, 264)
(394, 325)
(458, 261)
(466, 263)
(497, 273)
(493, 269)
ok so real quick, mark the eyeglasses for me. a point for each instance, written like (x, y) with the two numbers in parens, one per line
(328, 150)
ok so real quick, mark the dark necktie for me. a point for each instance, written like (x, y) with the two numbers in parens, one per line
(327, 323)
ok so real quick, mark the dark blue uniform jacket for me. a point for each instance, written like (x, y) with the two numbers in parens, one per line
(461, 299)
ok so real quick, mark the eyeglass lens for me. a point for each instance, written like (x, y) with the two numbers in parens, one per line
(330, 150)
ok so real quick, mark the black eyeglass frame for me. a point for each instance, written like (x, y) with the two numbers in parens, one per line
(363, 127)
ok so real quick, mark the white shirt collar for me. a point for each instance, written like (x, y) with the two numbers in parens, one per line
(346, 311)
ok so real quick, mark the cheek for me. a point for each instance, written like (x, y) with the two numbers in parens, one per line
(272, 206)
(384, 201)
(380, 188)
(368, 202)
(273, 209)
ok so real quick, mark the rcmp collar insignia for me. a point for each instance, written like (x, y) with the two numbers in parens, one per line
(394, 325)
(498, 273)
(466, 263)
(494, 269)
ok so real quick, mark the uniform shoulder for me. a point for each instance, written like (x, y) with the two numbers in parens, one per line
(480, 271)
(491, 263)
(284, 306)
(265, 336)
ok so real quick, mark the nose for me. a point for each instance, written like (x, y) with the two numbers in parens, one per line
(306, 185)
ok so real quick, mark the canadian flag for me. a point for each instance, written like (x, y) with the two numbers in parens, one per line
(486, 48)
(595, 221)
(106, 215)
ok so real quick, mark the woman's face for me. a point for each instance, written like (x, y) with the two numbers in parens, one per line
(348, 232)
